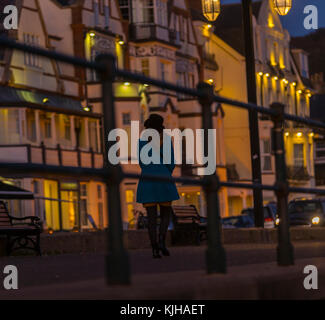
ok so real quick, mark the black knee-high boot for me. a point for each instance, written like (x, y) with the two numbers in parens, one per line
(165, 214)
(152, 229)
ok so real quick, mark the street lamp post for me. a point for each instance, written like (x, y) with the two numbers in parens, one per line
(253, 115)
(211, 10)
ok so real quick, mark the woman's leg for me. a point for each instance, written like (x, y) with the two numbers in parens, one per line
(152, 228)
(165, 214)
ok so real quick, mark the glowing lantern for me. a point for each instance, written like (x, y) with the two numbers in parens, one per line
(211, 9)
(282, 7)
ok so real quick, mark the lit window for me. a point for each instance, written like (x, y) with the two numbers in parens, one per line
(31, 126)
(266, 155)
(83, 190)
(298, 154)
(84, 204)
(67, 128)
(145, 67)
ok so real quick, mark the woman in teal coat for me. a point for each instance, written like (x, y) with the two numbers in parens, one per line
(153, 193)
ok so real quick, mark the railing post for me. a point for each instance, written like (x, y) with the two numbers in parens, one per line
(285, 255)
(43, 152)
(117, 261)
(58, 146)
(215, 254)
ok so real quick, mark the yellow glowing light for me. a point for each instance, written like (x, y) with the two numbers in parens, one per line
(294, 83)
(270, 22)
(92, 34)
(287, 134)
(209, 26)
(277, 221)
(267, 75)
(282, 7)
(127, 84)
(87, 109)
(211, 9)
(146, 85)
(211, 81)
(312, 134)
(198, 193)
(285, 81)
(183, 194)
(299, 134)
(45, 100)
(309, 95)
(260, 73)
(121, 42)
(315, 220)
(299, 91)
(275, 78)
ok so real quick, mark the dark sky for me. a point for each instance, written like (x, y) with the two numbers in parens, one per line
(295, 18)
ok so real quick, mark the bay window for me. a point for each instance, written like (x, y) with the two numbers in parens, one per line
(146, 11)
(143, 11)
(145, 67)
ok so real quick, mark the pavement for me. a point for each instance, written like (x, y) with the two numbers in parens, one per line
(252, 274)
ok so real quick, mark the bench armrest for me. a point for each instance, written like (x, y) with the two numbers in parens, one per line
(32, 218)
(33, 221)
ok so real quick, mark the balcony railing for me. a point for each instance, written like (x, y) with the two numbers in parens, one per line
(297, 173)
(148, 32)
(50, 156)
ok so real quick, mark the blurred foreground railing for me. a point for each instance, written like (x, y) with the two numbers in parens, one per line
(118, 270)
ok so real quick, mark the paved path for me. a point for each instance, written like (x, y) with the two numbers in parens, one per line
(35, 271)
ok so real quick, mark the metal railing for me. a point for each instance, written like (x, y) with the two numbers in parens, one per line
(118, 271)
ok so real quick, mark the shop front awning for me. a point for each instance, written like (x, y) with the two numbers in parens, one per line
(9, 191)
(14, 97)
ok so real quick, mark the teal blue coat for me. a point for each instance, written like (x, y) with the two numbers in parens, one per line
(156, 191)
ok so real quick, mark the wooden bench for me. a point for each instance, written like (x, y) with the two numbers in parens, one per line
(186, 219)
(21, 233)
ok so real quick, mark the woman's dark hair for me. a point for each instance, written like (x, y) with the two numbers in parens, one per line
(155, 121)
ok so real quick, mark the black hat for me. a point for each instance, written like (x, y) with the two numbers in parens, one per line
(155, 121)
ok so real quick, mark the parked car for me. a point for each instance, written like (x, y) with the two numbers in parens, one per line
(270, 214)
(241, 221)
(307, 212)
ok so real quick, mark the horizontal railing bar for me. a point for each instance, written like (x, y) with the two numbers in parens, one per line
(245, 105)
(6, 42)
(25, 168)
(307, 121)
(163, 178)
(247, 185)
(226, 184)
(158, 83)
(306, 190)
